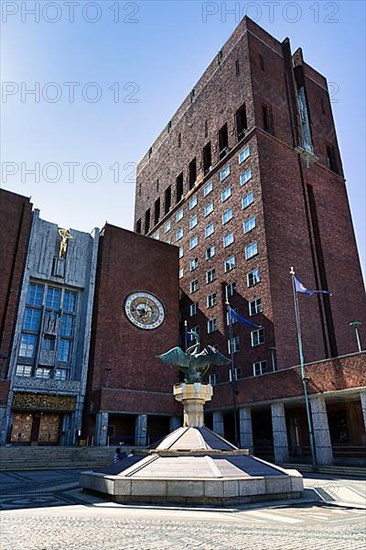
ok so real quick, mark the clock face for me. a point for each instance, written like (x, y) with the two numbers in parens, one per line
(144, 310)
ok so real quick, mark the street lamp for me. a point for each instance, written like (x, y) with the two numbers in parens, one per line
(356, 325)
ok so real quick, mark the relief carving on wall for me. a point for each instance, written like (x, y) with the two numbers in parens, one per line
(33, 401)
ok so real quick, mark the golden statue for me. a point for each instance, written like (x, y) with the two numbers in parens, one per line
(65, 237)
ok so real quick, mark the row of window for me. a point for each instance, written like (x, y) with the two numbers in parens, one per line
(259, 368)
(254, 306)
(224, 173)
(248, 225)
(27, 371)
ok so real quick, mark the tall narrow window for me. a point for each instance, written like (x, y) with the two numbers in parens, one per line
(147, 221)
(157, 211)
(267, 119)
(138, 226)
(179, 139)
(331, 162)
(206, 128)
(192, 173)
(261, 62)
(223, 141)
(237, 67)
(168, 199)
(207, 160)
(179, 187)
(241, 121)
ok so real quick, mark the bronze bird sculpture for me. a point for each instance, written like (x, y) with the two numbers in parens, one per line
(194, 363)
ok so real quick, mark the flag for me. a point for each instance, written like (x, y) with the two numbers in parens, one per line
(235, 317)
(301, 288)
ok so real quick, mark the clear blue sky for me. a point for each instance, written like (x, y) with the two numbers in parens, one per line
(162, 48)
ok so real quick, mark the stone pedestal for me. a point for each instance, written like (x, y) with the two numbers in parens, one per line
(193, 397)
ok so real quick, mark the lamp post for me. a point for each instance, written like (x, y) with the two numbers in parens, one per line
(356, 325)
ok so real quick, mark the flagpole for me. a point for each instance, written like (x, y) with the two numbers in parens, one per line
(185, 335)
(232, 369)
(303, 373)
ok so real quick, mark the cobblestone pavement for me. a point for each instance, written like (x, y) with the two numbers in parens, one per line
(47, 511)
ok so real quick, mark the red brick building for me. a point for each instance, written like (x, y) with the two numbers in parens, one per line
(247, 180)
(129, 395)
(16, 218)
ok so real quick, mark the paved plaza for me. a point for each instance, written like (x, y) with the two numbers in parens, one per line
(46, 510)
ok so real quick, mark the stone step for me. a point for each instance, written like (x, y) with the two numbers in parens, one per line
(331, 470)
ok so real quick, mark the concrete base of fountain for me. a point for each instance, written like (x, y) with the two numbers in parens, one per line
(194, 466)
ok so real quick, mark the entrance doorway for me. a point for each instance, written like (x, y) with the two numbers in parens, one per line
(35, 429)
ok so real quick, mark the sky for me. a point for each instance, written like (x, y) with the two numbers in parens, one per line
(108, 75)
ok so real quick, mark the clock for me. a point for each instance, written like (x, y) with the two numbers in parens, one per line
(144, 310)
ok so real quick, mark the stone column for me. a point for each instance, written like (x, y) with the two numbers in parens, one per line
(323, 444)
(363, 407)
(3, 425)
(279, 430)
(175, 423)
(141, 430)
(245, 428)
(218, 423)
(101, 428)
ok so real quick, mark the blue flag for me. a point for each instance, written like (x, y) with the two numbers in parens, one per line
(301, 288)
(234, 317)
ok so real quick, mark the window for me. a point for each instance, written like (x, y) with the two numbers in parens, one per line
(181, 251)
(246, 176)
(253, 278)
(229, 264)
(210, 275)
(193, 242)
(226, 193)
(228, 239)
(168, 199)
(61, 374)
(260, 367)
(156, 211)
(225, 172)
(214, 379)
(64, 350)
(210, 252)
(209, 230)
(167, 227)
(192, 202)
(257, 337)
(168, 240)
(43, 373)
(267, 119)
(331, 162)
(194, 286)
(70, 301)
(193, 222)
(192, 173)
(235, 374)
(237, 67)
(230, 289)
(179, 215)
(28, 345)
(206, 128)
(179, 139)
(207, 188)
(138, 226)
(23, 370)
(179, 187)
(66, 326)
(208, 209)
(207, 158)
(179, 234)
(156, 235)
(32, 318)
(223, 141)
(261, 62)
(181, 272)
(249, 224)
(241, 122)
(251, 250)
(53, 297)
(255, 306)
(211, 300)
(193, 264)
(193, 310)
(211, 325)
(244, 154)
(233, 345)
(227, 215)
(248, 199)
(35, 295)
(147, 221)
